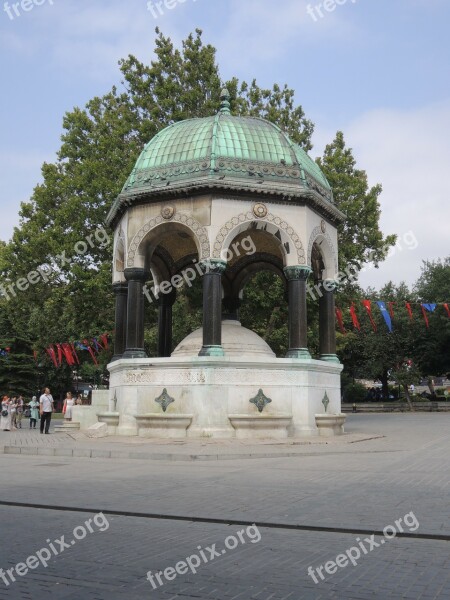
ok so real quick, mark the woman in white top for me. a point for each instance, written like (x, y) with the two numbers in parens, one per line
(67, 408)
(5, 422)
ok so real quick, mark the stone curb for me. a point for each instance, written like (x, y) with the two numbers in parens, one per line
(123, 454)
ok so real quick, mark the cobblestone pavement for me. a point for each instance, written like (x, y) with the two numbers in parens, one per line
(364, 486)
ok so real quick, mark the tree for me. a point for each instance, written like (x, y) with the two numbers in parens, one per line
(376, 354)
(432, 346)
(100, 144)
(360, 239)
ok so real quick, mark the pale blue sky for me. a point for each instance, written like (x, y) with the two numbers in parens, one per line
(377, 69)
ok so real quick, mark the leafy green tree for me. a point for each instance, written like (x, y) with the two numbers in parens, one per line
(432, 345)
(361, 240)
(100, 144)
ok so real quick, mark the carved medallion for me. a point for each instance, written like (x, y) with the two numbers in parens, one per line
(323, 226)
(167, 212)
(260, 401)
(260, 210)
(164, 400)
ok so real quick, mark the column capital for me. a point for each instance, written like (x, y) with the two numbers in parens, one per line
(136, 274)
(297, 272)
(120, 288)
(214, 266)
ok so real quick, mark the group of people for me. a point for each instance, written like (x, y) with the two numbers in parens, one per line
(13, 410)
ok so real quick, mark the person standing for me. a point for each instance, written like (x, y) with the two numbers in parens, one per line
(46, 408)
(5, 422)
(34, 412)
(13, 408)
(67, 408)
(19, 412)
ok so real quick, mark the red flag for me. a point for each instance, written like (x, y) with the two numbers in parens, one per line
(74, 353)
(60, 354)
(51, 352)
(447, 309)
(340, 320)
(67, 350)
(368, 306)
(35, 355)
(354, 317)
(424, 312)
(91, 352)
(409, 309)
(391, 309)
(104, 340)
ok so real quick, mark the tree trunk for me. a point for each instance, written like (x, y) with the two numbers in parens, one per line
(385, 385)
(408, 398)
(271, 324)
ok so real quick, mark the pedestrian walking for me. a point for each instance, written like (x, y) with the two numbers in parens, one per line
(46, 404)
(34, 412)
(5, 421)
(13, 407)
(19, 412)
(67, 408)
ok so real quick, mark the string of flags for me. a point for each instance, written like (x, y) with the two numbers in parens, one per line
(388, 313)
(5, 351)
(68, 351)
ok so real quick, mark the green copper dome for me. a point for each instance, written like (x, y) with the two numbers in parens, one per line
(232, 154)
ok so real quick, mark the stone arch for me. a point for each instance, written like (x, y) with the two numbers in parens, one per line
(326, 247)
(291, 243)
(199, 234)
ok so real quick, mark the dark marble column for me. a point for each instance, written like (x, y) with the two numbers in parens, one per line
(212, 307)
(165, 302)
(298, 323)
(120, 338)
(135, 322)
(327, 328)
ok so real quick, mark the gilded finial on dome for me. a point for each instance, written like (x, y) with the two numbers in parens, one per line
(225, 105)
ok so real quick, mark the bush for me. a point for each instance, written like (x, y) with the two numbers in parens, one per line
(355, 392)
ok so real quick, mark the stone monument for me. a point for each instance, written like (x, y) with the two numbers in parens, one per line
(200, 191)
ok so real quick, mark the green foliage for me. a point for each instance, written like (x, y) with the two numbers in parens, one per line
(354, 392)
(100, 144)
(360, 238)
(264, 310)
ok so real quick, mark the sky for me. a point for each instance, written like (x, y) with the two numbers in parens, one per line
(376, 69)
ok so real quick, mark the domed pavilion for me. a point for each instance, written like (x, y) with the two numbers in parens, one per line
(222, 198)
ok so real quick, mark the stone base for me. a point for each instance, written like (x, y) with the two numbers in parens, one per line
(260, 426)
(330, 425)
(111, 419)
(67, 426)
(99, 430)
(163, 426)
(212, 390)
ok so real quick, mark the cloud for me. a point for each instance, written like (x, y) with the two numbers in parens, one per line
(408, 152)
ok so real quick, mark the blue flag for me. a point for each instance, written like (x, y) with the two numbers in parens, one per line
(386, 315)
(430, 307)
